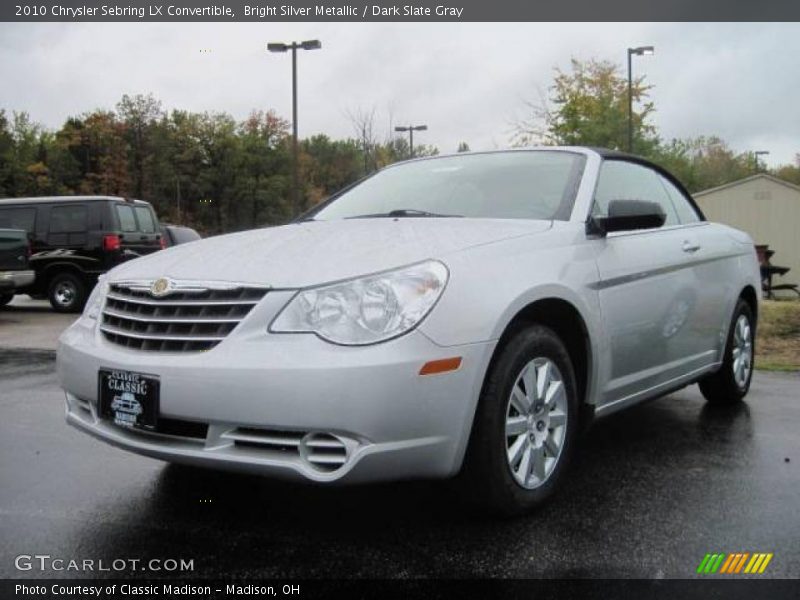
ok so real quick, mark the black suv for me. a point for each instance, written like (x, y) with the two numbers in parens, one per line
(15, 252)
(76, 238)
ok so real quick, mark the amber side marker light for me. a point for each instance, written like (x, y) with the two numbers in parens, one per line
(440, 366)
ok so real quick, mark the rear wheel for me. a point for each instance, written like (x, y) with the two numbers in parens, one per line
(526, 424)
(5, 299)
(731, 383)
(67, 293)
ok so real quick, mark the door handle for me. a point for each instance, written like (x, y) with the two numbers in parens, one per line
(689, 246)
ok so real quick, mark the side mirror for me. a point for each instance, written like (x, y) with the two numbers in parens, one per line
(628, 215)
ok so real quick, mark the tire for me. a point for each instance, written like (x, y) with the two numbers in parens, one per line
(731, 382)
(67, 293)
(5, 299)
(495, 472)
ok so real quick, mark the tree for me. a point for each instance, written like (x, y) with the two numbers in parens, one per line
(264, 182)
(22, 162)
(397, 148)
(231, 175)
(790, 173)
(588, 106)
(363, 122)
(140, 114)
(97, 145)
(703, 162)
(6, 156)
(220, 152)
(329, 165)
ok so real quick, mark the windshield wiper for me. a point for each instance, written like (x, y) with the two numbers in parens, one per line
(402, 212)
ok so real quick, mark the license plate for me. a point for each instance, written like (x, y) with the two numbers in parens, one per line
(129, 399)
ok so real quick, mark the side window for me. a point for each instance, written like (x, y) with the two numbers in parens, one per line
(68, 219)
(621, 180)
(127, 222)
(684, 208)
(18, 218)
(145, 217)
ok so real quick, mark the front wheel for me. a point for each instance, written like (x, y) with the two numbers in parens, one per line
(526, 423)
(67, 293)
(731, 383)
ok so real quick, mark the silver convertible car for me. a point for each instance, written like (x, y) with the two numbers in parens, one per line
(461, 315)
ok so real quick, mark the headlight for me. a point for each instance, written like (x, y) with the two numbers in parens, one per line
(366, 310)
(95, 301)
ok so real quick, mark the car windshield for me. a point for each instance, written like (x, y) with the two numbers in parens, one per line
(497, 185)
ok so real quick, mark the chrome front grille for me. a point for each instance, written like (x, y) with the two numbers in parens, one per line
(190, 317)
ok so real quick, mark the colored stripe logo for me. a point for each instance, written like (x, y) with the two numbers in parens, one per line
(734, 563)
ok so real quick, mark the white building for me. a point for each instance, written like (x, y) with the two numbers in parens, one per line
(768, 209)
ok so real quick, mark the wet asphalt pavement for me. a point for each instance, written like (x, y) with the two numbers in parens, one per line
(652, 490)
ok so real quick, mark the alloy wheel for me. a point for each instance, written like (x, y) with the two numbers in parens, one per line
(742, 351)
(536, 422)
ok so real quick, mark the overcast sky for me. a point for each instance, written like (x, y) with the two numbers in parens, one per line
(466, 81)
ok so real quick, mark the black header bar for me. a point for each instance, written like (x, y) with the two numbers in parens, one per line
(407, 10)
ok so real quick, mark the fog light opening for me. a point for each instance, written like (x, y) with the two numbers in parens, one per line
(323, 451)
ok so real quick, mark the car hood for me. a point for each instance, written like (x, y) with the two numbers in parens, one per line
(314, 252)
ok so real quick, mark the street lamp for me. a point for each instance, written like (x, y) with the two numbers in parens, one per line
(640, 51)
(758, 153)
(280, 47)
(411, 129)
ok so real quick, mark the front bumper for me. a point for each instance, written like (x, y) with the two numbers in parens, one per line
(265, 397)
(14, 280)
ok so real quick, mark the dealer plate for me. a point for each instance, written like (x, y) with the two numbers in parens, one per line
(129, 399)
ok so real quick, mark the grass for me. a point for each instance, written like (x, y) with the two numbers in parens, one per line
(778, 336)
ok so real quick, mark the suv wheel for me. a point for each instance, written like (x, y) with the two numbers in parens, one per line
(526, 423)
(731, 383)
(67, 293)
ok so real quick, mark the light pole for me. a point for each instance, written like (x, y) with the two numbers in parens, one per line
(280, 47)
(758, 153)
(640, 51)
(411, 129)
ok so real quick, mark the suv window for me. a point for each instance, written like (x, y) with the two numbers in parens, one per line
(127, 221)
(68, 219)
(684, 208)
(18, 218)
(145, 218)
(621, 180)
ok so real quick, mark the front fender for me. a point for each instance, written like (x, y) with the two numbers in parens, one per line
(490, 285)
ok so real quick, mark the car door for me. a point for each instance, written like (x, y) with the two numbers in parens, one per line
(646, 290)
(713, 262)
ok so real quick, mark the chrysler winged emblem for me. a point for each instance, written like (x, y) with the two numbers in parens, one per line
(161, 287)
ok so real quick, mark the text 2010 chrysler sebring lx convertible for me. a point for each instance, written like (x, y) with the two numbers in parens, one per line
(463, 314)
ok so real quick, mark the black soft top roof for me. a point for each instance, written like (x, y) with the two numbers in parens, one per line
(608, 154)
